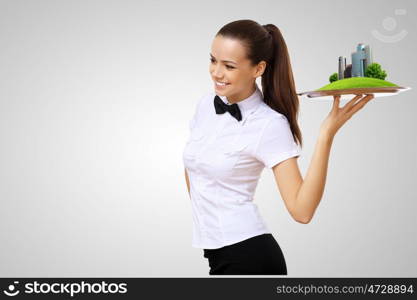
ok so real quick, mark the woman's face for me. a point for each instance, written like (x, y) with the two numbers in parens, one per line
(228, 64)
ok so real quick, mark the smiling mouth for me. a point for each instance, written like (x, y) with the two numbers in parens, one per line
(221, 83)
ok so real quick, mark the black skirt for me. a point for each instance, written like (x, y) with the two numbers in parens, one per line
(258, 255)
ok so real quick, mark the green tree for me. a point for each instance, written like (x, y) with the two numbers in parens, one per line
(333, 77)
(374, 70)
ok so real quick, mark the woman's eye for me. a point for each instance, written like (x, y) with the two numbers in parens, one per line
(229, 67)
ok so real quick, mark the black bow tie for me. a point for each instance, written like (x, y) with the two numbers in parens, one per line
(222, 107)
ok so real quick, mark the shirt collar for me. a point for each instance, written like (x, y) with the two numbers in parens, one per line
(248, 105)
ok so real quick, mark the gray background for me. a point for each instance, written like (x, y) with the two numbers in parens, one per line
(95, 101)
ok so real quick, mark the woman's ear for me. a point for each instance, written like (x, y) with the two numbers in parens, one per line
(260, 68)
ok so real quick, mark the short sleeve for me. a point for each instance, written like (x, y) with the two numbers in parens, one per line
(276, 143)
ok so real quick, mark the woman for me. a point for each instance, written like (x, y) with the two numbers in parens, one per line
(236, 131)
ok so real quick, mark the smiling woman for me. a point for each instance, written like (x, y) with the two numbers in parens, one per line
(238, 130)
(226, 152)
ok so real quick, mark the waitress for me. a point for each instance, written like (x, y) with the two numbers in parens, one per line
(238, 130)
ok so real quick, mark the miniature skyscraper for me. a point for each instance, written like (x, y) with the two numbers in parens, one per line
(342, 67)
(368, 54)
(361, 59)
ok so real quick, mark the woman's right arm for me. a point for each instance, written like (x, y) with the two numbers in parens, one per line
(187, 181)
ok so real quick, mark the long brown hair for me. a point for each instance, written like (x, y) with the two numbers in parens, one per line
(265, 42)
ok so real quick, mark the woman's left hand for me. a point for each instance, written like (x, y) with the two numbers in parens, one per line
(339, 115)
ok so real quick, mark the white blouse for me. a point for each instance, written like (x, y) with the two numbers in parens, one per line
(224, 159)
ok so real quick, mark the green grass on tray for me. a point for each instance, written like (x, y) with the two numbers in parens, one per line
(356, 82)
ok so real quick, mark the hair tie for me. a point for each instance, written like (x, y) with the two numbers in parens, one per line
(267, 29)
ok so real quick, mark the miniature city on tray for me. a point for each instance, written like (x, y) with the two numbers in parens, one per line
(362, 76)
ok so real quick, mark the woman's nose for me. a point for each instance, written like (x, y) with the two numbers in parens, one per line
(217, 72)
